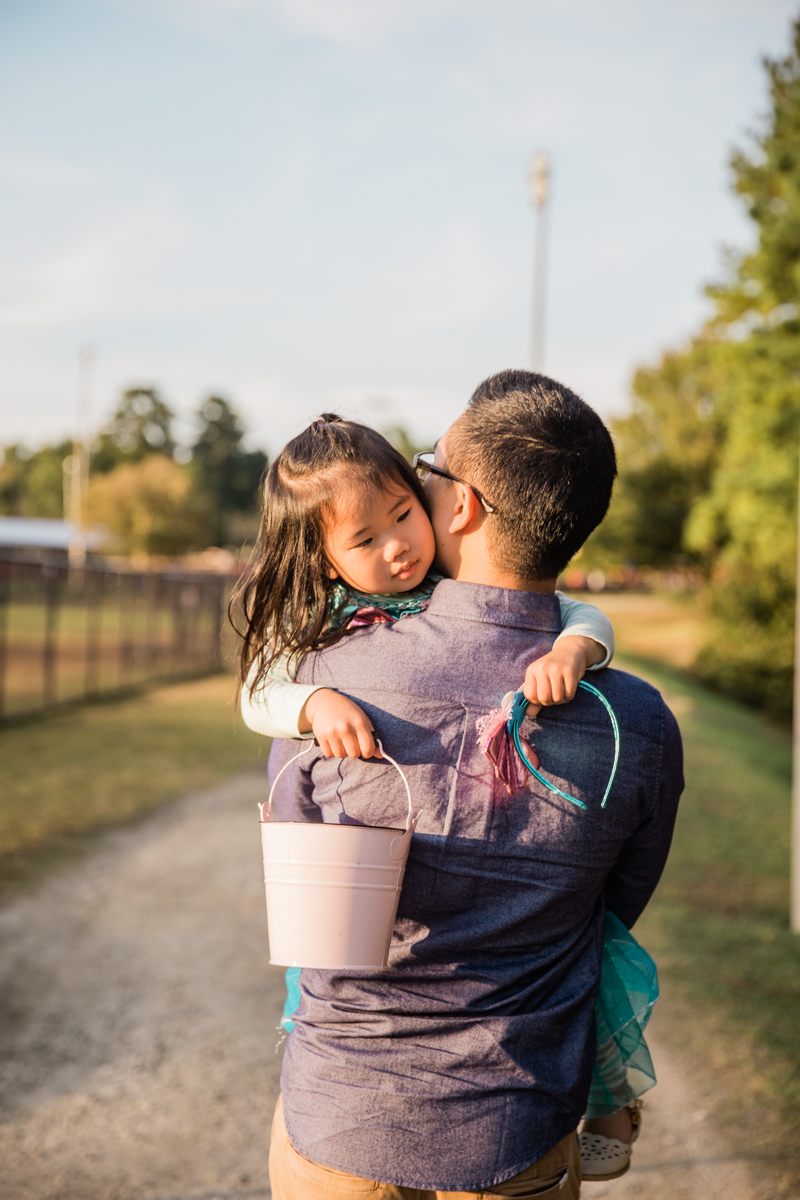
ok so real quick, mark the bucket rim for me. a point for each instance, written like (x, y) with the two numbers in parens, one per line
(336, 967)
(335, 825)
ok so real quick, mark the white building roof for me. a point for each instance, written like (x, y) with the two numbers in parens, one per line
(40, 532)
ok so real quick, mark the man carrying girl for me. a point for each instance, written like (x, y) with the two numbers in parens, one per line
(465, 1067)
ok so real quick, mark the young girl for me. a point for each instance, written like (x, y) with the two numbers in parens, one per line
(346, 541)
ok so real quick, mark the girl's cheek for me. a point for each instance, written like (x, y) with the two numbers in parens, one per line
(429, 541)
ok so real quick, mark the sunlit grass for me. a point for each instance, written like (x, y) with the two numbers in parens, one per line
(663, 626)
(75, 771)
(719, 922)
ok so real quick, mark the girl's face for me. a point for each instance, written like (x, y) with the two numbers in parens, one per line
(380, 542)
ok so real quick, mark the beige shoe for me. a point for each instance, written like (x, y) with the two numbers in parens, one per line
(605, 1158)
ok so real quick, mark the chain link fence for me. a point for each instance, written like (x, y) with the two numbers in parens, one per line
(69, 635)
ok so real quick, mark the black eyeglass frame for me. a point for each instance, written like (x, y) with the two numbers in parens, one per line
(419, 464)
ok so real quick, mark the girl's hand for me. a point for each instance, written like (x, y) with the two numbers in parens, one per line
(554, 678)
(342, 729)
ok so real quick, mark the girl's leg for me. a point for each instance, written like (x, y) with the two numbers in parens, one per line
(617, 1125)
(610, 1069)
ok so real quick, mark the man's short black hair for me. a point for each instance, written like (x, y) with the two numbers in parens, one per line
(544, 459)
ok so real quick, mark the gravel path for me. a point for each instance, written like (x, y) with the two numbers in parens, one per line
(138, 1028)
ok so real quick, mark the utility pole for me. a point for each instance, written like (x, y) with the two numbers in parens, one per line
(795, 843)
(76, 465)
(539, 192)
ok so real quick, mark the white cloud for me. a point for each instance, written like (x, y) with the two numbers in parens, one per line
(40, 171)
(315, 204)
(355, 24)
(450, 279)
(115, 270)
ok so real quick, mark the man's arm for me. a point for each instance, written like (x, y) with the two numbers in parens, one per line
(638, 869)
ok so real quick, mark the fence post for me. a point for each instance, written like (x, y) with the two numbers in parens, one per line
(180, 629)
(219, 604)
(93, 592)
(125, 647)
(50, 578)
(5, 589)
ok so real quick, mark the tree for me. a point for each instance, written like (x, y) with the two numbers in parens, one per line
(403, 441)
(667, 450)
(150, 507)
(44, 482)
(141, 426)
(710, 452)
(13, 471)
(31, 483)
(747, 520)
(222, 469)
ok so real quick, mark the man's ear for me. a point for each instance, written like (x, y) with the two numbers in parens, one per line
(468, 510)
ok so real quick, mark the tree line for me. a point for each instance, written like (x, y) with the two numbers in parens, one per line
(154, 496)
(709, 452)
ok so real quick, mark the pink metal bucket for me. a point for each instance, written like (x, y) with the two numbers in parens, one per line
(332, 890)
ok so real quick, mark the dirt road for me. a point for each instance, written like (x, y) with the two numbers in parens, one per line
(138, 1028)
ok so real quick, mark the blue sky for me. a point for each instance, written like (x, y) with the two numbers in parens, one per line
(316, 204)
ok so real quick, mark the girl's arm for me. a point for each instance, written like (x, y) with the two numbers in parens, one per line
(586, 642)
(584, 620)
(274, 708)
(281, 707)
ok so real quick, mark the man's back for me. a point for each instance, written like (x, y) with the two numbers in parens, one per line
(470, 1056)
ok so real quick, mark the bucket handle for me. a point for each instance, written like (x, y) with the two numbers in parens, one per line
(265, 810)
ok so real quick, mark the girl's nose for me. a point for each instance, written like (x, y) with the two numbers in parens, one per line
(395, 547)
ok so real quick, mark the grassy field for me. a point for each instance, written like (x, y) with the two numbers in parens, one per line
(76, 771)
(663, 626)
(718, 924)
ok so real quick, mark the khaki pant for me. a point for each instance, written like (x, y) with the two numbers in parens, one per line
(557, 1175)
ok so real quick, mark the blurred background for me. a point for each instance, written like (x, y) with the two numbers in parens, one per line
(221, 217)
(224, 217)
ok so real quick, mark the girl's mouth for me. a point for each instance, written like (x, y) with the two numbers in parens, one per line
(407, 572)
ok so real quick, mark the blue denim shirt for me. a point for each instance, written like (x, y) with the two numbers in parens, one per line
(469, 1057)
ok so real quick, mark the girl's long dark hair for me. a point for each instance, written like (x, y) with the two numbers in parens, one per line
(284, 596)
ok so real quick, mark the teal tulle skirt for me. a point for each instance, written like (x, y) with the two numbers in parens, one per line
(628, 990)
(292, 998)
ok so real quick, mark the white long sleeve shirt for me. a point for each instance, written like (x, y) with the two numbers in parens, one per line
(273, 709)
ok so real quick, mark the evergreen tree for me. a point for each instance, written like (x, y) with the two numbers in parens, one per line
(667, 450)
(222, 468)
(141, 426)
(746, 523)
(402, 440)
(13, 470)
(32, 483)
(710, 452)
(44, 481)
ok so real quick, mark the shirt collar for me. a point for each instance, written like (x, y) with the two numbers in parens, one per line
(496, 606)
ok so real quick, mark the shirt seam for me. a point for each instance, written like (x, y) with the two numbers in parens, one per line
(514, 621)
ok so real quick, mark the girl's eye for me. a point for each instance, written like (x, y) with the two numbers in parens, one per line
(361, 545)
(403, 516)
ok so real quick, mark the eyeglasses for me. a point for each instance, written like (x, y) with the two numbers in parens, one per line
(423, 465)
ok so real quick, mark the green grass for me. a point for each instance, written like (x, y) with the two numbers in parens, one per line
(718, 924)
(69, 774)
(719, 927)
